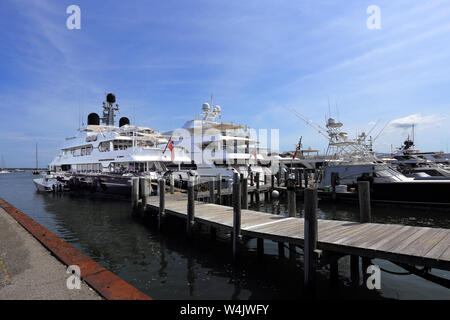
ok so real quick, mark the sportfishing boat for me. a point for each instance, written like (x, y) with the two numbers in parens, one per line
(224, 148)
(353, 161)
(104, 156)
(420, 165)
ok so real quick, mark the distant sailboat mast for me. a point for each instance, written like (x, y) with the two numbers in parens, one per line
(36, 157)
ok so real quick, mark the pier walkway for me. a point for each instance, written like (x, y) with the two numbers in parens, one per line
(29, 271)
(420, 246)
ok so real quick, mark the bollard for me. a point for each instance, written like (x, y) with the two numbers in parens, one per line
(172, 184)
(310, 235)
(244, 193)
(162, 202)
(211, 191)
(190, 208)
(236, 215)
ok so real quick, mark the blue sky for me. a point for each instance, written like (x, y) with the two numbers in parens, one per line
(163, 59)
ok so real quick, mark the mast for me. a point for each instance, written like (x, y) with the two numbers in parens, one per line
(36, 156)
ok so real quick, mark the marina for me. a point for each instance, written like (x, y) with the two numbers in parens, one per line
(163, 265)
(214, 154)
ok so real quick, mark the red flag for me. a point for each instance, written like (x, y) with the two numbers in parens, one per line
(171, 148)
(295, 154)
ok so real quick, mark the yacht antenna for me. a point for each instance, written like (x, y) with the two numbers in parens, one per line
(329, 109)
(337, 112)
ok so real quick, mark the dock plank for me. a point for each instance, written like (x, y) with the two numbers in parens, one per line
(416, 245)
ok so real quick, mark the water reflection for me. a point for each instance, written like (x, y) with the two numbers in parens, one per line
(166, 266)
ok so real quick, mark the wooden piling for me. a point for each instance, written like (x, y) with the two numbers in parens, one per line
(333, 185)
(172, 184)
(310, 234)
(236, 215)
(297, 177)
(365, 216)
(260, 247)
(219, 189)
(257, 193)
(334, 272)
(291, 203)
(354, 269)
(190, 208)
(134, 193)
(306, 177)
(244, 189)
(162, 202)
(281, 251)
(211, 191)
(279, 175)
(364, 201)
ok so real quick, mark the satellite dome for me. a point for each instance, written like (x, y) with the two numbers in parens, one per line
(217, 109)
(205, 107)
(111, 98)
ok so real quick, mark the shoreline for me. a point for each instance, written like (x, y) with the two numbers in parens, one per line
(101, 282)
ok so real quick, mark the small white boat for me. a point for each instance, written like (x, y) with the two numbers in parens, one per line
(47, 183)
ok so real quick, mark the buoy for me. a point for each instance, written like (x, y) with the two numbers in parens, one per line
(275, 194)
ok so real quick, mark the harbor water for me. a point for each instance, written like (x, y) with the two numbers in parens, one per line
(165, 266)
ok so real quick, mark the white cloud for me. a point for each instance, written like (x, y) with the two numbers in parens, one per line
(415, 119)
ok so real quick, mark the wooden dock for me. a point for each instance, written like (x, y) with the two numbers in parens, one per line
(422, 246)
(323, 242)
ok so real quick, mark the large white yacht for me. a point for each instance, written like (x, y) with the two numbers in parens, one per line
(218, 147)
(105, 156)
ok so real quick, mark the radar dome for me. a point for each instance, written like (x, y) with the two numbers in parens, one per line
(111, 98)
(217, 109)
(205, 107)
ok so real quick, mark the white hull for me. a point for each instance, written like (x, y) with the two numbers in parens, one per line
(44, 184)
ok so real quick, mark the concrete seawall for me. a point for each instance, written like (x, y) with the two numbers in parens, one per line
(33, 265)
